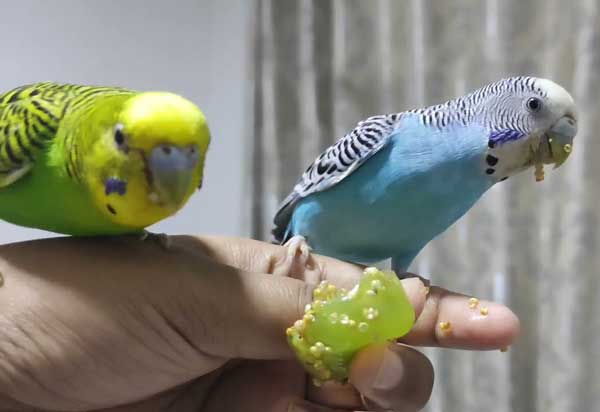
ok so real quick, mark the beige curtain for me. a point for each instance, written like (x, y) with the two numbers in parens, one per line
(320, 66)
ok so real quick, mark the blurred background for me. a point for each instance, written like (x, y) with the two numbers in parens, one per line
(280, 80)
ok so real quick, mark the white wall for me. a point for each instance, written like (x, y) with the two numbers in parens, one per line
(195, 48)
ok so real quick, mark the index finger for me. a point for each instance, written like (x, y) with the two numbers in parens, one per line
(261, 257)
(457, 321)
(447, 319)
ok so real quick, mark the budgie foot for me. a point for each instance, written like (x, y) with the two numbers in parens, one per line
(161, 238)
(403, 274)
(296, 258)
(406, 275)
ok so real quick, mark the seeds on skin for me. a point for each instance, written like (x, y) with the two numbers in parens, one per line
(484, 311)
(473, 302)
(446, 327)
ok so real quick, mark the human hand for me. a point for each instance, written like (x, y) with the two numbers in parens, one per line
(89, 324)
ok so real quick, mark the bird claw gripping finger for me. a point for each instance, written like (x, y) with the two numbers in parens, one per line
(297, 256)
(339, 323)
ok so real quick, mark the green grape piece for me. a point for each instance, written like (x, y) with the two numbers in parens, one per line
(338, 324)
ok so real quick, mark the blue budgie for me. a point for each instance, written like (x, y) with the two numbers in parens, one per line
(396, 181)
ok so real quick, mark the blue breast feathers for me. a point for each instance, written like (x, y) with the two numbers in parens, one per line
(420, 183)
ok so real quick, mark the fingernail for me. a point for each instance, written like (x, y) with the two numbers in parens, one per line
(372, 406)
(391, 371)
(413, 286)
(401, 379)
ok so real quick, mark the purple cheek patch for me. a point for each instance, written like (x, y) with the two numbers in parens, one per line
(502, 136)
(114, 185)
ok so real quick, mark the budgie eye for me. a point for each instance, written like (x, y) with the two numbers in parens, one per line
(120, 137)
(534, 104)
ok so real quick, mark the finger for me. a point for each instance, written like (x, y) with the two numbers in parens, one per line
(271, 386)
(255, 256)
(259, 309)
(388, 376)
(469, 328)
(452, 320)
(302, 405)
(393, 377)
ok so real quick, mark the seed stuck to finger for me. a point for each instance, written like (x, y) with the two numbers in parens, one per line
(445, 327)
(484, 311)
(473, 303)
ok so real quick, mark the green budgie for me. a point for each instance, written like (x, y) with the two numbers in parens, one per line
(84, 160)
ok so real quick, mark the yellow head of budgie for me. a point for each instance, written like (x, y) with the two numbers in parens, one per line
(149, 159)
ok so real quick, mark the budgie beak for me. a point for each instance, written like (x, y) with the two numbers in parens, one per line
(560, 139)
(555, 146)
(171, 173)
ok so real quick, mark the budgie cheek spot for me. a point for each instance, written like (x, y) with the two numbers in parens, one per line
(338, 324)
(503, 136)
(111, 209)
(491, 160)
(114, 185)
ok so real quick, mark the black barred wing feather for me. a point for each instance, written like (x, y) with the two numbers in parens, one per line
(335, 164)
(25, 124)
(29, 119)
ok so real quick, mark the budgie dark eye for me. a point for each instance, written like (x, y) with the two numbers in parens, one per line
(120, 136)
(534, 104)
